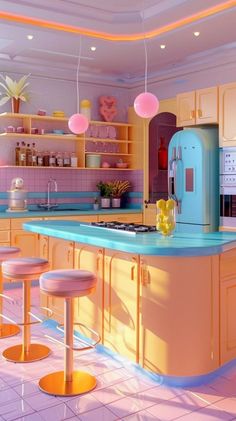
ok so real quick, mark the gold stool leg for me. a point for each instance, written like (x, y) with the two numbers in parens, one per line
(26, 352)
(6, 329)
(68, 382)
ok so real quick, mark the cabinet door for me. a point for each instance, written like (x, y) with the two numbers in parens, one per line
(207, 105)
(61, 256)
(179, 322)
(228, 320)
(26, 241)
(121, 304)
(227, 120)
(89, 309)
(186, 109)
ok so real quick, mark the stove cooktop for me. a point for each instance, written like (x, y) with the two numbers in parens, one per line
(129, 228)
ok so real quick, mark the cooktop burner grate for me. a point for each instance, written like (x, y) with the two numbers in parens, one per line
(124, 227)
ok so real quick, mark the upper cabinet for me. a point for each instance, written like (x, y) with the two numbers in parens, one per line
(197, 107)
(227, 120)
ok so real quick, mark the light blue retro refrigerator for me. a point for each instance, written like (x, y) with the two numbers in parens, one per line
(193, 179)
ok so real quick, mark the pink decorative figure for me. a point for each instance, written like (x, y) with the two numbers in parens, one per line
(146, 105)
(78, 123)
(108, 108)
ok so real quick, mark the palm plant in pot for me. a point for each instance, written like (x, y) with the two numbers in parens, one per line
(118, 189)
(105, 189)
(14, 91)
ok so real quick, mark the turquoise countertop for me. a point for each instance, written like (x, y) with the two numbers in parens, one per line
(146, 244)
(36, 213)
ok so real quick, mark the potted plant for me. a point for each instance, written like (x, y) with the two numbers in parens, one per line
(15, 91)
(105, 193)
(118, 189)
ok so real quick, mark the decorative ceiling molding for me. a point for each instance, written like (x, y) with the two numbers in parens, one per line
(118, 37)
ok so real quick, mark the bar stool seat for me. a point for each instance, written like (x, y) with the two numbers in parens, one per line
(7, 329)
(68, 284)
(25, 269)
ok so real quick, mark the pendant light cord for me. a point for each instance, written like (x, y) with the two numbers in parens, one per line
(145, 49)
(77, 73)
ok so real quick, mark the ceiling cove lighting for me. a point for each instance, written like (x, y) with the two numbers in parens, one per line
(226, 5)
(78, 123)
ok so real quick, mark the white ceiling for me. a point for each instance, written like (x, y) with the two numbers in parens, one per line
(123, 63)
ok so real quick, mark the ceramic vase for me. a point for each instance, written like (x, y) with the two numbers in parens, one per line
(105, 202)
(15, 105)
(115, 202)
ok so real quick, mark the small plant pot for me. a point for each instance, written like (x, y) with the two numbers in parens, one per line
(105, 202)
(115, 202)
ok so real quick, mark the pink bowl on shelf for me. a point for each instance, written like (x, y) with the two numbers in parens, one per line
(122, 165)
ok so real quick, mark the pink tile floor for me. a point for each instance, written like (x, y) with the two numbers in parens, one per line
(121, 392)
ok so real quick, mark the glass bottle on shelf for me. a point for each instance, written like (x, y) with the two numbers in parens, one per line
(17, 154)
(28, 155)
(52, 159)
(46, 159)
(34, 155)
(22, 154)
(162, 155)
(59, 159)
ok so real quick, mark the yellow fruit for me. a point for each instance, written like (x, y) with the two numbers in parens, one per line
(161, 204)
(170, 204)
(168, 219)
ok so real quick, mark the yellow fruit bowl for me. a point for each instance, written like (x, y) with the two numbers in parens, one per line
(165, 220)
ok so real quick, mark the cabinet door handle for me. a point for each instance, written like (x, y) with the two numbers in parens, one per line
(192, 115)
(199, 113)
(99, 255)
(44, 249)
(70, 251)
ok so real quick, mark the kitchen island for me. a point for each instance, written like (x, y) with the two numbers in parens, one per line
(167, 303)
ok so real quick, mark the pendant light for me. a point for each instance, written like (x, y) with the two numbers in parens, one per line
(78, 123)
(146, 104)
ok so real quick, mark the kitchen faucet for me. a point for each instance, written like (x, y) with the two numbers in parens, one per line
(48, 205)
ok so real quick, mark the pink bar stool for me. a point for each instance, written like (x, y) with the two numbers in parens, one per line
(25, 269)
(6, 329)
(68, 284)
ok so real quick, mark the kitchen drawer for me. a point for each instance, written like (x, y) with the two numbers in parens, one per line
(17, 223)
(122, 217)
(4, 224)
(5, 236)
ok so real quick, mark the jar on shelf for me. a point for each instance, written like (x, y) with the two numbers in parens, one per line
(66, 159)
(73, 160)
(52, 159)
(39, 159)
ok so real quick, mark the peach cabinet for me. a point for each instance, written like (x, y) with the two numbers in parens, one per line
(89, 310)
(121, 303)
(197, 107)
(27, 241)
(227, 120)
(179, 315)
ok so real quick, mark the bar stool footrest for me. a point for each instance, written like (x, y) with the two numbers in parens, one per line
(55, 384)
(17, 354)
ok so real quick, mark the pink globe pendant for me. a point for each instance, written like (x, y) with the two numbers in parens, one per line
(146, 105)
(78, 123)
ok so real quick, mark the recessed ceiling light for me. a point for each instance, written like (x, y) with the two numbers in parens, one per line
(196, 34)
(93, 48)
(30, 37)
(162, 46)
